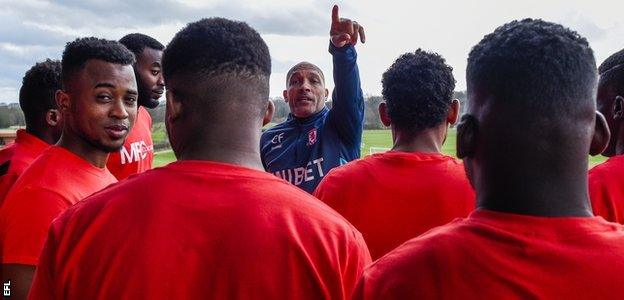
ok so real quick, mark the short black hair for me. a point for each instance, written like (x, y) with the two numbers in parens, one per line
(136, 42)
(39, 86)
(537, 66)
(611, 71)
(418, 89)
(218, 59)
(78, 52)
(217, 46)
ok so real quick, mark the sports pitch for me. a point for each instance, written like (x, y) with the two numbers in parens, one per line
(373, 141)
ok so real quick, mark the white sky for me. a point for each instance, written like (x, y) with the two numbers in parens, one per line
(32, 30)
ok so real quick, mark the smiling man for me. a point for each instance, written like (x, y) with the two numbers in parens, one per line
(137, 154)
(315, 139)
(98, 105)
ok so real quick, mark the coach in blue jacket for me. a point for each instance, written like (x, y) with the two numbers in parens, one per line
(315, 139)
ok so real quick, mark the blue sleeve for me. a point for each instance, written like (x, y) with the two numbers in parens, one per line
(347, 113)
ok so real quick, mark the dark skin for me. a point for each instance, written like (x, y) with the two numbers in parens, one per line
(429, 140)
(521, 163)
(148, 70)
(232, 137)
(611, 104)
(99, 108)
(48, 126)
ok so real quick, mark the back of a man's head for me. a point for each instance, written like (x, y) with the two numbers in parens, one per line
(531, 109)
(418, 89)
(610, 86)
(217, 71)
(36, 96)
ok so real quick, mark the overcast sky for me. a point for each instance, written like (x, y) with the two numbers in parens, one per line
(31, 31)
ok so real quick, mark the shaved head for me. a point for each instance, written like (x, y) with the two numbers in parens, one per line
(304, 65)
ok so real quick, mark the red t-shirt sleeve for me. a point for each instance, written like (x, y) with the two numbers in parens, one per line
(332, 191)
(43, 281)
(28, 222)
(359, 258)
(6, 182)
(599, 196)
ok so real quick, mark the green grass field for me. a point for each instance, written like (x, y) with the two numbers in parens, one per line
(371, 139)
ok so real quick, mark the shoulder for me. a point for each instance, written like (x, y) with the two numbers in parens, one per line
(311, 212)
(277, 129)
(143, 117)
(601, 169)
(32, 205)
(610, 170)
(353, 170)
(401, 272)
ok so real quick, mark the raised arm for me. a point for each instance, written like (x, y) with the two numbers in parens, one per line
(347, 114)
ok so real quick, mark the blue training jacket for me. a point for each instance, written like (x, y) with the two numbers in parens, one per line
(303, 150)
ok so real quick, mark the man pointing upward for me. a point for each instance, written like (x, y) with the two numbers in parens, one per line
(314, 139)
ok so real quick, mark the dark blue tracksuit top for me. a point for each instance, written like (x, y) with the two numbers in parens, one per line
(303, 150)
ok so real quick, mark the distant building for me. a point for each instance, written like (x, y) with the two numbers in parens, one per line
(7, 136)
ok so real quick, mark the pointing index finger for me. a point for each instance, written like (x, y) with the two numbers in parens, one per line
(362, 35)
(335, 18)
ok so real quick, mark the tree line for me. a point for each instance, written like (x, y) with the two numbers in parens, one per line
(11, 114)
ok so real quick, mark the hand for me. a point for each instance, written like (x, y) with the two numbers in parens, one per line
(344, 31)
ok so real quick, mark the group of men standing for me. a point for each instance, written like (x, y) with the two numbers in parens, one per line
(231, 219)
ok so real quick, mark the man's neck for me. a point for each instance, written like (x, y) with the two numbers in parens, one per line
(43, 135)
(236, 146)
(426, 141)
(559, 191)
(83, 149)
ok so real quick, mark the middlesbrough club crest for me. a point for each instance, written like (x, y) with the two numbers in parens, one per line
(312, 137)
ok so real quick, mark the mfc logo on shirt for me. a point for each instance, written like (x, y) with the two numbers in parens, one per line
(138, 151)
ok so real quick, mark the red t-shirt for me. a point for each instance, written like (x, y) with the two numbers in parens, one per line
(606, 189)
(24, 151)
(492, 255)
(6, 153)
(137, 153)
(200, 230)
(395, 196)
(55, 181)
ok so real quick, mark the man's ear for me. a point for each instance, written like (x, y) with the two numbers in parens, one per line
(618, 109)
(53, 117)
(326, 94)
(383, 114)
(453, 112)
(467, 131)
(63, 101)
(174, 106)
(285, 94)
(600, 139)
(268, 115)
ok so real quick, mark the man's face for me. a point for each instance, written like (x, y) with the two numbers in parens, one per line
(306, 93)
(103, 104)
(605, 105)
(149, 77)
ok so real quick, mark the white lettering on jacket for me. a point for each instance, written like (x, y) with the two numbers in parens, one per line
(300, 175)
